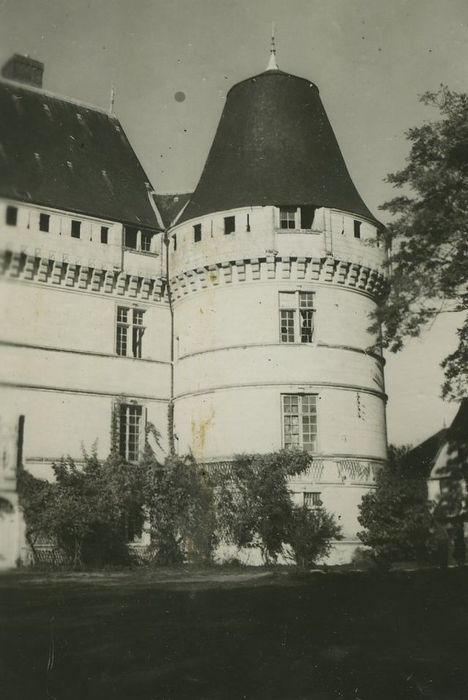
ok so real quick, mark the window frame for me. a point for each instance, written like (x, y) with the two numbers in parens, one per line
(229, 225)
(105, 234)
(129, 331)
(303, 399)
(75, 228)
(314, 502)
(197, 233)
(285, 217)
(357, 228)
(297, 317)
(11, 215)
(131, 429)
(44, 222)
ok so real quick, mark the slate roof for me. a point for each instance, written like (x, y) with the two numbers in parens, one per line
(274, 145)
(444, 451)
(170, 205)
(58, 153)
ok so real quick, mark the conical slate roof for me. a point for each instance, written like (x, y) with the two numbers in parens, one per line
(274, 146)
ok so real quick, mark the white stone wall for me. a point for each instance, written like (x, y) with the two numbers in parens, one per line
(231, 367)
(58, 312)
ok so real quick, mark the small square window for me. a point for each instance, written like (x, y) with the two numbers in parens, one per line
(197, 233)
(104, 234)
(11, 216)
(75, 228)
(357, 229)
(229, 224)
(44, 221)
(312, 499)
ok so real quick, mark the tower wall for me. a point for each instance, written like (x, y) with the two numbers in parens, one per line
(233, 368)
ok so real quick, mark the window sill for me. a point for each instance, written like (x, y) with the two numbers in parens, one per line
(149, 253)
(306, 231)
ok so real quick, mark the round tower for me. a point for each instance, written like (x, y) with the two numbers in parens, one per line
(275, 266)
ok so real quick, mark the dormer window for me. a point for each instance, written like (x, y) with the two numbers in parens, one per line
(288, 217)
(229, 224)
(11, 216)
(357, 229)
(197, 233)
(130, 237)
(146, 241)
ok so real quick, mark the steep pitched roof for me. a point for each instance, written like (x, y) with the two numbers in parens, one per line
(275, 145)
(58, 153)
(170, 205)
(445, 452)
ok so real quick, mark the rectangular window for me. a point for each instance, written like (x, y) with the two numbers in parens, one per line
(312, 499)
(288, 217)
(130, 237)
(11, 216)
(130, 430)
(130, 331)
(197, 233)
(104, 234)
(296, 317)
(75, 228)
(300, 422)
(247, 228)
(146, 241)
(229, 224)
(357, 229)
(307, 217)
(174, 241)
(44, 222)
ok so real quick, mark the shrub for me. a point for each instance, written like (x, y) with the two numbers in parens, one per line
(253, 503)
(310, 534)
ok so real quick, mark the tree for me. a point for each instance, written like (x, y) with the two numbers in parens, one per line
(180, 510)
(429, 234)
(253, 502)
(310, 533)
(400, 523)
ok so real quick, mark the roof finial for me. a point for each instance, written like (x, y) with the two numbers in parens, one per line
(272, 65)
(112, 100)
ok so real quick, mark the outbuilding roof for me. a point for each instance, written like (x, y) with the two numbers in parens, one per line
(58, 153)
(274, 145)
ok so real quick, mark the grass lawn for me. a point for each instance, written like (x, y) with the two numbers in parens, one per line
(240, 634)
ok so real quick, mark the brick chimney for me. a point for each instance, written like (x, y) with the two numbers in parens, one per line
(23, 69)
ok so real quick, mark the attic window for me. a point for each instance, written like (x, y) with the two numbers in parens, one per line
(44, 221)
(11, 216)
(197, 233)
(130, 237)
(75, 228)
(146, 241)
(229, 224)
(357, 229)
(104, 234)
(307, 216)
(174, 241)
(247, 228)
(288, 217)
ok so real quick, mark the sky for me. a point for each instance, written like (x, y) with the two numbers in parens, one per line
(370, 59)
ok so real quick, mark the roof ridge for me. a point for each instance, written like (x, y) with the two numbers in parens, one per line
(55, 96)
